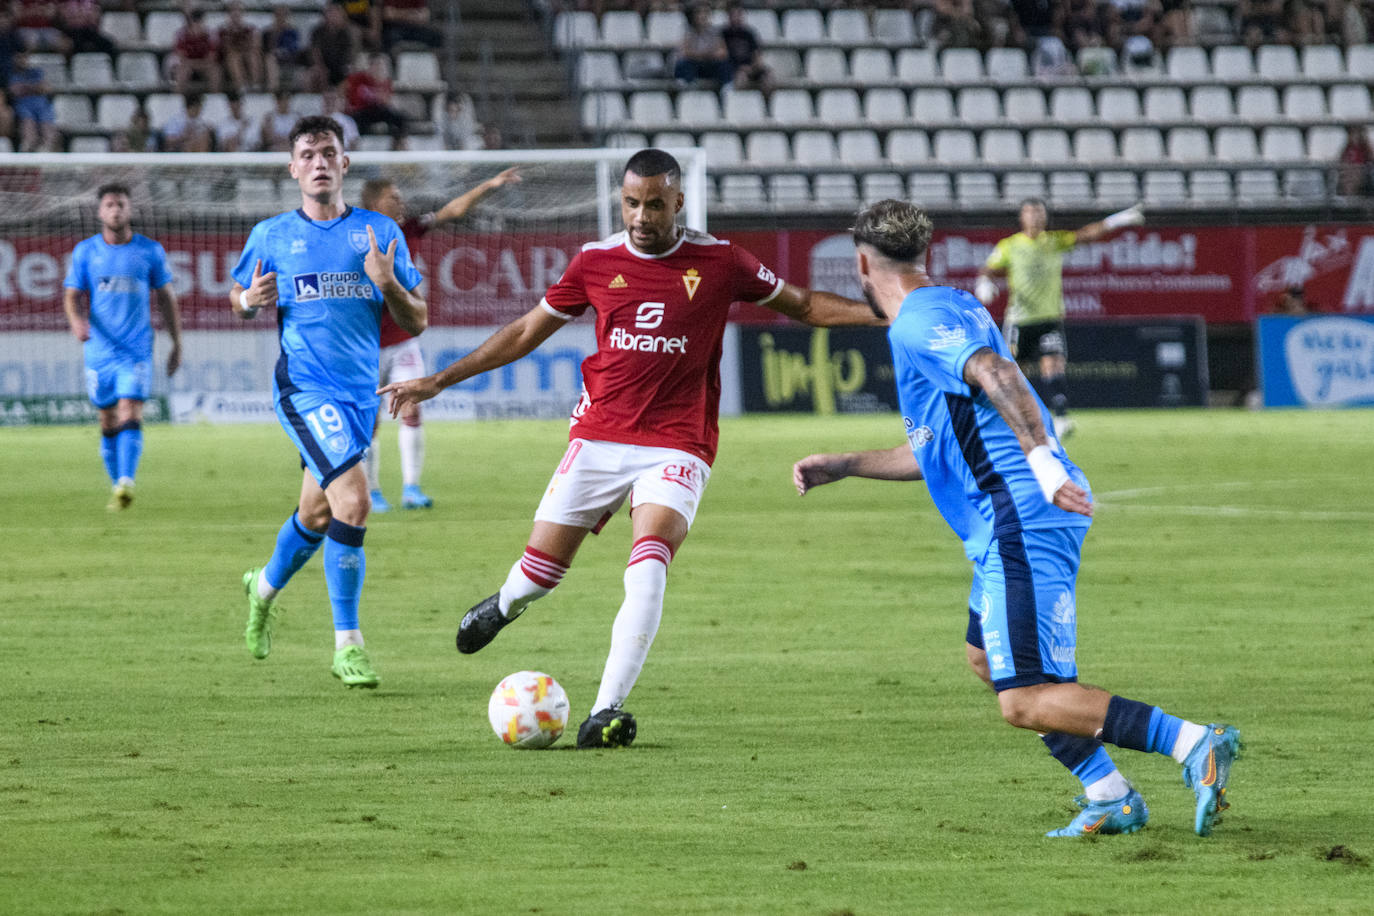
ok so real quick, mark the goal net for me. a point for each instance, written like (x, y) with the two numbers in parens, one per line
(480, 272)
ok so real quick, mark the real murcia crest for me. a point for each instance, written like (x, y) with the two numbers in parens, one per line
(691, 279)
(617, 283)
(946, 337)
(358, 239)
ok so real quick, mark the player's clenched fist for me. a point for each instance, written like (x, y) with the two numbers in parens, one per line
(261, 291)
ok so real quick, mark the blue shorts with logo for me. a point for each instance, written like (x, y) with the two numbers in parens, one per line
(331, 434)
(1021, 607)
(111, 380)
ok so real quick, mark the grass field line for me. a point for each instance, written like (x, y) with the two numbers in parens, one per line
(1117, 499)
(1296, 515)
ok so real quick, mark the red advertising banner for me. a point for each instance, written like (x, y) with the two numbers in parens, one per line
(1224, 273)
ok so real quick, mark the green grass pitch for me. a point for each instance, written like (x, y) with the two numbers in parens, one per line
(810, 740)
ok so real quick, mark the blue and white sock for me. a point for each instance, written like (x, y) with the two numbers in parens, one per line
(109, 454)
(1142, 727)
(1088, 760)
(296, 544)
(128, 449)
(345, 565)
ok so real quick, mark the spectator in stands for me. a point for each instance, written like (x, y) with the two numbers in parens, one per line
(702, 54)
(274, 135)
(370, 102)
(458, 127)
(236, 133)
(1292, 302)
(6, 117)
(35, 23)
(1038, 19)
(744, 52)
(955, 26)
(79, 20)
(1355, 169)
(333, 108)
(240, 50)
(32, 106)
(188, 131)
(281, 50)
(194, 55)
(138, 137)
(1082, 26)
(9, 45)
(1356, 23)
(1175, 27)
(366, 19)
(1262, 22)
(333, 47)
(408, 22)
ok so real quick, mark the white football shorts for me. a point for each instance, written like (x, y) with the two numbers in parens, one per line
(594, 478)
(402, 362)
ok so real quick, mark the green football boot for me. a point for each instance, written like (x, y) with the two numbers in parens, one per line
(354, 668)
(262, 616)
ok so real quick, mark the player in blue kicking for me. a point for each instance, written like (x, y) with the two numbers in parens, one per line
(977, 435)
(330, 270)
(105, 297)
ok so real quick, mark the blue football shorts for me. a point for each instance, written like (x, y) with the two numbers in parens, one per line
(331, 434)
(112, 380)
(1021, 607)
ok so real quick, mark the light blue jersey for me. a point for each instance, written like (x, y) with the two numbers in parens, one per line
(973, 465)
(328, 311)
(118, 279)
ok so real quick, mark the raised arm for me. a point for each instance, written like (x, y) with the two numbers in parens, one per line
(1131, 216)
(458, 207)
(1001, 380)
(166, 299)
(511, 342)
(406, 306)
(822, 309)
(896, 463)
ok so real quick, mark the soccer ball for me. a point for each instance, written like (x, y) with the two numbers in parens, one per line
(528, 709)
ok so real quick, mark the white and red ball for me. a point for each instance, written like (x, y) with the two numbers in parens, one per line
(528, 709)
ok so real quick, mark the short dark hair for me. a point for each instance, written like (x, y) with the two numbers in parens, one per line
(1035, 202)
(111, 187)
(650, 162)
(374, 188)
(313, 125)
(898, 230)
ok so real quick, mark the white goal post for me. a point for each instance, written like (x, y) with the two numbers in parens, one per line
(481, 271)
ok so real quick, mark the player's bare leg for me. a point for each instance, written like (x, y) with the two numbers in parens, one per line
(372, 466)
(1053, 367)
(411, 438)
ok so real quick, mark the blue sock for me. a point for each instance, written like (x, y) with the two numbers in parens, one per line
(107, 454)
(128, 448)
(295, 546)
(1086, 758)
(1131, 724)
(1163, 731)
(345, 564)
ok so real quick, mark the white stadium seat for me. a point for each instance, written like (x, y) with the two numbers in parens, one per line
(745, 106)
(929, 106)
(1257, 185)
(1188, 144)
(836, 190)
(1257, 104)
(878, 186)
(837, 106)
(596, 69)
(1232, 62)
(977, 189)
(1002, 146)
(622, 29)
(72, 111)
(792, 106)
(1017, 186)
(929, 189)
(907, 146)
(1236, 144)
(92, 70)
(419, 69)
(122, 27)
(1048, 145)
(650, 106)
(789, 191)
(763, 21)
(825, 65)
(1071, 103)
(979, 105)
(1114, 188)
(1349, 102)
(1304, 184)
(1118, 105)
(115, 111)
(885, 105)
(742, 191)
(723, 147)
(161, 27)
(665, 27)
(698, 108)
(916, 65)
(1024, 105)
(1210, 187)
(894, 27)
(162, 107)
(89, 145)
(814, 147)
(767, 147)
(848, 27)
(955, 146)
(1006, 65)
(1142, 145)
(1277, 62)
(1094, 144)
(802, 26)
(673, 139)
(1165, 103)
(1281, 144)
(1187, 62)
(1070, 189)
(602, 109)
(1359, 62)
(1165, 188)
(1325, 142)
(1322, 62)
(871, 66)
(138, 68)
(784, 62)
(1211, 104)
(574, 29)
(961, 65)
(1303, 102)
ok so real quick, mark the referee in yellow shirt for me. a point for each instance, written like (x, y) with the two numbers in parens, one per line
(1032, 260)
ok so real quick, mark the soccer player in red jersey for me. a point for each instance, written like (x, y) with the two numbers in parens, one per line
(401, 356)
(646, 425)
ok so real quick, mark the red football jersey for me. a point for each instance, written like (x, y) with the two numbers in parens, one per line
(413, 228)
(655, 377)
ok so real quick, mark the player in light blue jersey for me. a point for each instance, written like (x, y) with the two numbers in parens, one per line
(330, 270)
(976, 433)
(105, 296)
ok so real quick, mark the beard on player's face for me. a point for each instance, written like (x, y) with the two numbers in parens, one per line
(872, 299)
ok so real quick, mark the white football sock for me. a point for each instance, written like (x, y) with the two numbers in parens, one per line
(266, 590)
(372, 466)
(646, 579)
(1109, 787)
(533, 576)
(347, 638)
(1189, 734)
(412, 441)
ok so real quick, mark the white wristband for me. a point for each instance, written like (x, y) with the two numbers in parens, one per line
(248, 310)
(1131, 216)
(1048, 470)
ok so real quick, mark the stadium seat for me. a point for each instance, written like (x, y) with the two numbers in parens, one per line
(1209, 187)
(418, 70)
(596, 69)
(1232, 62)
(1094, 145)
(424, 142)
(1118, 105)
(976, 189)
(848, 27)
(876, 186)
(1325, 142)
(1006, 65)
(1211, 104)
(1349, 102)
(72, 111)
(1277, 62)
(1097, 61)
(161, 27)
(791, 106)
(1322, 62)
(885, 106)
(825, 65)
(374, 143)
(767, 147)
(1303, 102)
(673, 139)
(838, 106)
(931, 106)
(92, 71)
(1117, 188)
(622, 29)
(1024, 105)
(814, 147)
(836, 190)
(1188, 144)
(99, 144)
(871, 66)
(1070, 104)
(1070, 189)
(215, 109)
(54, 67)
(789, 191)
(979, 105)
(1236, 144)
(257, 104)
(1281, 144)
(907, 146)
(575, 29)
(763, 21)
(698, 108)
(961, 65)
(929, 189)
(742, 191)
(802, 27)
(1165, 188)
(916, 65)
(955, 146)
(723, 147)
(1304, 184)
(1017, 186)
(123, 27)
(650, 106)
(162, 107)
(745, 107)
(1048, 145)
(1257, 186)
(1002, 146)
(138, 69)
(894, 27)
(1359, 62)
(784, 62)
(665, 28)
(1142, 145)
(1165, 103)
(602, 109)
(1257, 104)
(626, 140)
(1187, 63)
